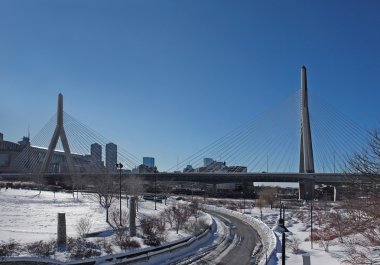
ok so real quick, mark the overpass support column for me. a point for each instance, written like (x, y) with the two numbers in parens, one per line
(306, 190)
(214, 189)
(338, 192)
(335, 191)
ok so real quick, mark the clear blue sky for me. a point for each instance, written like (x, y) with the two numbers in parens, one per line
(166, 78)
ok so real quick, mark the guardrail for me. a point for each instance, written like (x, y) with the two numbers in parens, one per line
(268, 238)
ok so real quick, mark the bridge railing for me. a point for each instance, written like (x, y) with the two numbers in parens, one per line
(267, 236)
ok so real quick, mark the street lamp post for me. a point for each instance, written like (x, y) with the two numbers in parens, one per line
(244, 200)
(119, 166)
(192, 192)
(242, 195)
(311, 224)
(155, 192)
(282, 229)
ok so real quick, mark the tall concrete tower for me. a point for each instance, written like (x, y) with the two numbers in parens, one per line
(306, 187)
(59, 132)
(306, 151)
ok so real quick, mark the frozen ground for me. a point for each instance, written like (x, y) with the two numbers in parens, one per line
(297, 228)
(302, 231)
(28, 216)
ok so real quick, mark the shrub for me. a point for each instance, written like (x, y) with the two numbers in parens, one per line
(197, 228)
(41, 248)
(80, 248)
(83, 226)
(129, 243)
(115, 219)
(8, 248)
(294, 244)
(154, 230)
(324, 238)
(152, 241)
(105, 245)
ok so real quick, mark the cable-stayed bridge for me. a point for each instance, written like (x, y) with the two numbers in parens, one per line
(285, 144)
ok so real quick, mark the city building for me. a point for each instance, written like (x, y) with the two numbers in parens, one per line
(211, 165)
(111, 156)
(96, 152)
(207, 161)
(8, 153)
(25, 141)
(148, 161)
(188, 168)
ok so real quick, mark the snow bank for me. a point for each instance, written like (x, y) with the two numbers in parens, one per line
(268, 238)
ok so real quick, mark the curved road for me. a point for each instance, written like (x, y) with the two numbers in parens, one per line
(242, 247)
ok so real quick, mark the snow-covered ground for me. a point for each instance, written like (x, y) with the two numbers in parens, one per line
(28, 216)
(297, 227)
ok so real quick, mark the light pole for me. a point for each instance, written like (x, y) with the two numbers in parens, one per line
(155, 171)
(311, 224)
(282, 229)
(242, 194)
(244, 200)
(119, 166)
(155, 191)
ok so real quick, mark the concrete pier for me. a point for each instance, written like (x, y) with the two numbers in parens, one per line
(132, 216)
(61, 230)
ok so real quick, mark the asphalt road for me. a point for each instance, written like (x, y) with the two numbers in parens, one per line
(247, 238)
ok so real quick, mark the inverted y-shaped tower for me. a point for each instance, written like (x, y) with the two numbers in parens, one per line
(306, 152)
(59, 132)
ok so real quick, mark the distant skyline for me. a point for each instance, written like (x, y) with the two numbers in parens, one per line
(164, 79)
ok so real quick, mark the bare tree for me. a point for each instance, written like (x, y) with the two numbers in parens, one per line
(294, 244)
(115, 219)
(165, 188)
(134, 186)
(269, 195)
(181, 214)
(194, 208)
(324, 237)
(83, 226)
(154, 230)
(361, 215)
(77, 183)
(367, 163)
(105, 192)
(357, 252)
(260, 203)
(169, 216)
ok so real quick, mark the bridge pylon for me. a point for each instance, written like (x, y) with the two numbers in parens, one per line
(58, 133)
(306, 146)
